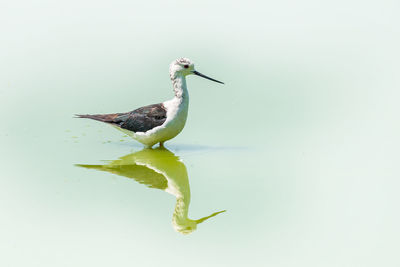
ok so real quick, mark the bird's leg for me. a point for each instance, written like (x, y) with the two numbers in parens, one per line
(162, 144)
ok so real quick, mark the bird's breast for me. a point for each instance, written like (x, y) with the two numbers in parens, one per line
(177, 111)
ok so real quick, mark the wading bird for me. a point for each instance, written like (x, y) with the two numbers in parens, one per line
(157, 123)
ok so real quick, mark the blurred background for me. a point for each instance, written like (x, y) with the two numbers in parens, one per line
(300, 146)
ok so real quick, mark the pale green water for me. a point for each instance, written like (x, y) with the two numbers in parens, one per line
(300, 146)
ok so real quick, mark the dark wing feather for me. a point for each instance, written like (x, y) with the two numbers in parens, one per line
(140, 120)
(145, 118)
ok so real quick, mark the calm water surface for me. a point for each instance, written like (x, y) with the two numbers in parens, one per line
(293, 162)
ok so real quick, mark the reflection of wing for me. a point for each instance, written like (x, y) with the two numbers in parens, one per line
(141, 174)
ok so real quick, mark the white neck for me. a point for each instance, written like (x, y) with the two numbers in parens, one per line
(180, 88)
(177, 107)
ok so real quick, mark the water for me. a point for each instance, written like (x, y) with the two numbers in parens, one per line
(300, 146)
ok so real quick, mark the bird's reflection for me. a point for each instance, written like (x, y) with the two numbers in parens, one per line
(159, 168)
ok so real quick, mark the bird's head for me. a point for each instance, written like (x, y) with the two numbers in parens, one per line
(184, 67)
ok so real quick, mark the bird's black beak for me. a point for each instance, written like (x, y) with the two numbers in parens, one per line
(204, 76)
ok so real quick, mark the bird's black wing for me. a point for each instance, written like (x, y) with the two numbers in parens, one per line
(143, 119)
(140, 120)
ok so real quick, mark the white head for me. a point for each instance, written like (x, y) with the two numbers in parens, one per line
(183, 67)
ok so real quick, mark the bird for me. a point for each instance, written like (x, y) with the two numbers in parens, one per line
(158, 168)
(160, 122)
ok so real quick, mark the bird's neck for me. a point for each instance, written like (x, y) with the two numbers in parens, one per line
(182, 207)
(180, 215)
(180, 88)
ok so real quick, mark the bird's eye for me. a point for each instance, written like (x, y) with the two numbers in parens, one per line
(186, 66)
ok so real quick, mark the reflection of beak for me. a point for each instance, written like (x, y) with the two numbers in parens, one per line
(204, 76)
(208, 217)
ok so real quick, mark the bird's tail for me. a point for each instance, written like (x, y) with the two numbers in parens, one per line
(98, 117)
